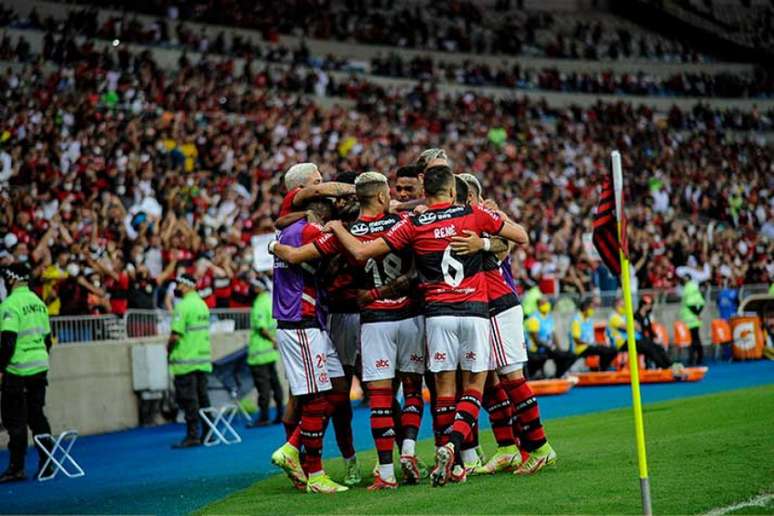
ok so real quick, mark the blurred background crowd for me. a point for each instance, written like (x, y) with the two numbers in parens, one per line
(118, 171)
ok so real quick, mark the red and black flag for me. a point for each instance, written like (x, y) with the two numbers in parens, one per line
(605, 235)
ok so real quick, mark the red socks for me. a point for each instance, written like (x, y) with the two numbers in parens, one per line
(443, 418)
(313, 422)
(466, 417)
(500, 411)
(527, 427)
(411, 416)
(382, 424)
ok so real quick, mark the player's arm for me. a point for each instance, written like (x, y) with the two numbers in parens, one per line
(472, 243)
(360, 251)
(514, 232)
(330, 189)
(290, 218)
(11, 322)
(295, 255)
(397, 206)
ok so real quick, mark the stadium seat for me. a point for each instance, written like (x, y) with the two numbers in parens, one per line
(720, 332)
(662, 335)
(600, 337)
(681, 340)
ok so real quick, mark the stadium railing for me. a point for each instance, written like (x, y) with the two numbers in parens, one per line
(138, 324)
(87, 328)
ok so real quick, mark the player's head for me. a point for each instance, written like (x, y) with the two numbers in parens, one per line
(185, 283)
(439, 183)
(544, 305)
(433, 157)
(323, 208)
(16, 274)
(462, 190)
(474, 188)
(373, 192)
(301, 175)
(408, 184)
(587, 307)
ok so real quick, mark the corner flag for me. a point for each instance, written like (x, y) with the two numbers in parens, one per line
(610, 240)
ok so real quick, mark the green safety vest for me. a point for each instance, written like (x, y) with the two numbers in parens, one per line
(691, 297)
(530, 301)
(261, 350)
(27, 316)
(192, 352)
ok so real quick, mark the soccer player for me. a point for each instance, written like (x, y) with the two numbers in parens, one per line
(408, 183)
(392, 331)
(303, 182)
(512, 394)
(455, 305)
(310, 361)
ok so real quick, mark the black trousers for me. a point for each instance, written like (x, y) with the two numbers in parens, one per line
(562, 359)
(268, 385)
(191, 395)
(22, 399)
(696, 351)
(651, 351)
(606, 355)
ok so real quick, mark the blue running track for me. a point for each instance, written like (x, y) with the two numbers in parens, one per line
(136, 471)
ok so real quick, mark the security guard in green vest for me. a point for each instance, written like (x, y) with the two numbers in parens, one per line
(190, 356)
(24, 345)
(690, 313)
(262, 357)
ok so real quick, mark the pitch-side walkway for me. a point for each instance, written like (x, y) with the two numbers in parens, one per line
(136, 471)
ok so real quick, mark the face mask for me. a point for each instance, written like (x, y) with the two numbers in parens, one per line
(23, 258)
(97, 284)
(590, 312)
(68, 186)
(73, 269)
(545, 308)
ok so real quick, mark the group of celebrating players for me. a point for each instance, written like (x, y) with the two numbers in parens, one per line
(398, 291)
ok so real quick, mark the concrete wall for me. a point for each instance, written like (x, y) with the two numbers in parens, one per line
(90, 383)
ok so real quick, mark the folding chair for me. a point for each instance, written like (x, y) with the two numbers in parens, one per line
(231, 376)
(65, 463)
(220, 430)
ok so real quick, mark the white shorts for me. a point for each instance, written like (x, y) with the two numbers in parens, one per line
(309, 360)
(344, 330)
(509, 351)
(393, 346)
(454, 341)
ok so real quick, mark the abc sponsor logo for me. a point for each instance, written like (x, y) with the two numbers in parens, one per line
(323, 377)
(439, 357)
(470, 355)
(417, 358)
(382, 363)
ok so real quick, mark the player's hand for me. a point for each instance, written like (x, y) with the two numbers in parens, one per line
(420, 209)
(470, 244)
(332, 225)
(364, 297)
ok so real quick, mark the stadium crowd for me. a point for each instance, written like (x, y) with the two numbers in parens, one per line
(85, 23)
(458, 26)
(117, 174)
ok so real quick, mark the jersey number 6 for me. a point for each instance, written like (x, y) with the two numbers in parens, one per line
(452, 268)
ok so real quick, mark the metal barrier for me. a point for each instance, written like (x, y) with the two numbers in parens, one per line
(147, 323)
(85, 328)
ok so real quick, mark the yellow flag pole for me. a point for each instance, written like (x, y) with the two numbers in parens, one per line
(639, 427)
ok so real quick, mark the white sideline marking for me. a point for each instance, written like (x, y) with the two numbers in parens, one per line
(758, 501)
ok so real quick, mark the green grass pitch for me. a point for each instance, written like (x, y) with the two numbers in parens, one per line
(704, 452)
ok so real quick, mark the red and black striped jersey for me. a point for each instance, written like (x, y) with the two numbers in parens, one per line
(501, 295)
(377, 272)
(452, 284)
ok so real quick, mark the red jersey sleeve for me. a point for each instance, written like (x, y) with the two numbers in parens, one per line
(400, 235)
(287, 202)
(488, 221)
(327, 244)
(311, 232)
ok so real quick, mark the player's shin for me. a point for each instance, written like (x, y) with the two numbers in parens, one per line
(382, 426)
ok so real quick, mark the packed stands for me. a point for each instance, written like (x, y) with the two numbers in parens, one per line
(117, 171)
